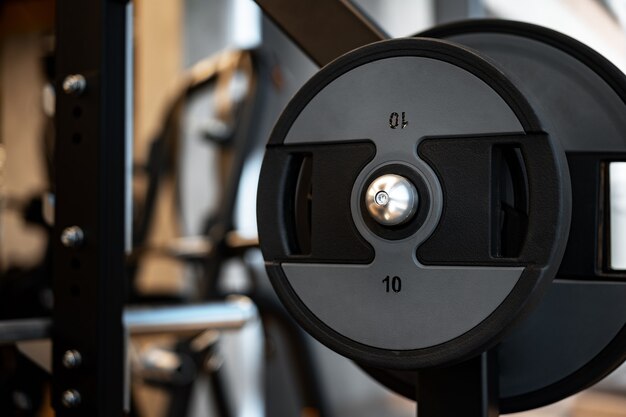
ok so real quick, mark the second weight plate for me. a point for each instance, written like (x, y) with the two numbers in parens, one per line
(578, 333)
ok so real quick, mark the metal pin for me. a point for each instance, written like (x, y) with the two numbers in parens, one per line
(72, 237)
(70, 398)
(74, 84)
(72, 359)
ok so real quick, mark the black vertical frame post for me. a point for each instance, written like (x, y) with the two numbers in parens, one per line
(468, 389)
(90, 189)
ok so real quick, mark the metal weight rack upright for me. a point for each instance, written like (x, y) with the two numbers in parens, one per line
(90, 190)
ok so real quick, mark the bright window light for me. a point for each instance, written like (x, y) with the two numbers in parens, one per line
(617, 178)
(246, 24)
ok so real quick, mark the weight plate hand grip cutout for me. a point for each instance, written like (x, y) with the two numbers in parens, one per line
(402, 295)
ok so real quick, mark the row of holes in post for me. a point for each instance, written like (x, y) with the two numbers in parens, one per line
(77, 138)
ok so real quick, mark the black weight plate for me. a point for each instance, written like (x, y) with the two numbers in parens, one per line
(459, 116)
(577, 335)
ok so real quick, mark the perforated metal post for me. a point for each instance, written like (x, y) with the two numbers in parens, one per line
(89, 224)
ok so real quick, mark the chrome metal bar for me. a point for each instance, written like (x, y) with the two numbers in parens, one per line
(228, 315)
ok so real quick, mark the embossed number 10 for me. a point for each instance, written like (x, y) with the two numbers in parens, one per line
(394, 120)
(394, 284)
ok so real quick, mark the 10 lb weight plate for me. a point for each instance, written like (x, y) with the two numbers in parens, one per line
(411, 205)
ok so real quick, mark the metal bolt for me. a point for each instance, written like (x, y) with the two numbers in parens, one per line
(74, 84)
(391, 200)
(72, 359)
(70, 398)
(72, 237)
(382, 198)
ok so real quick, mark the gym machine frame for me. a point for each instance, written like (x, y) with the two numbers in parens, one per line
(93, 193)
(89, 326)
